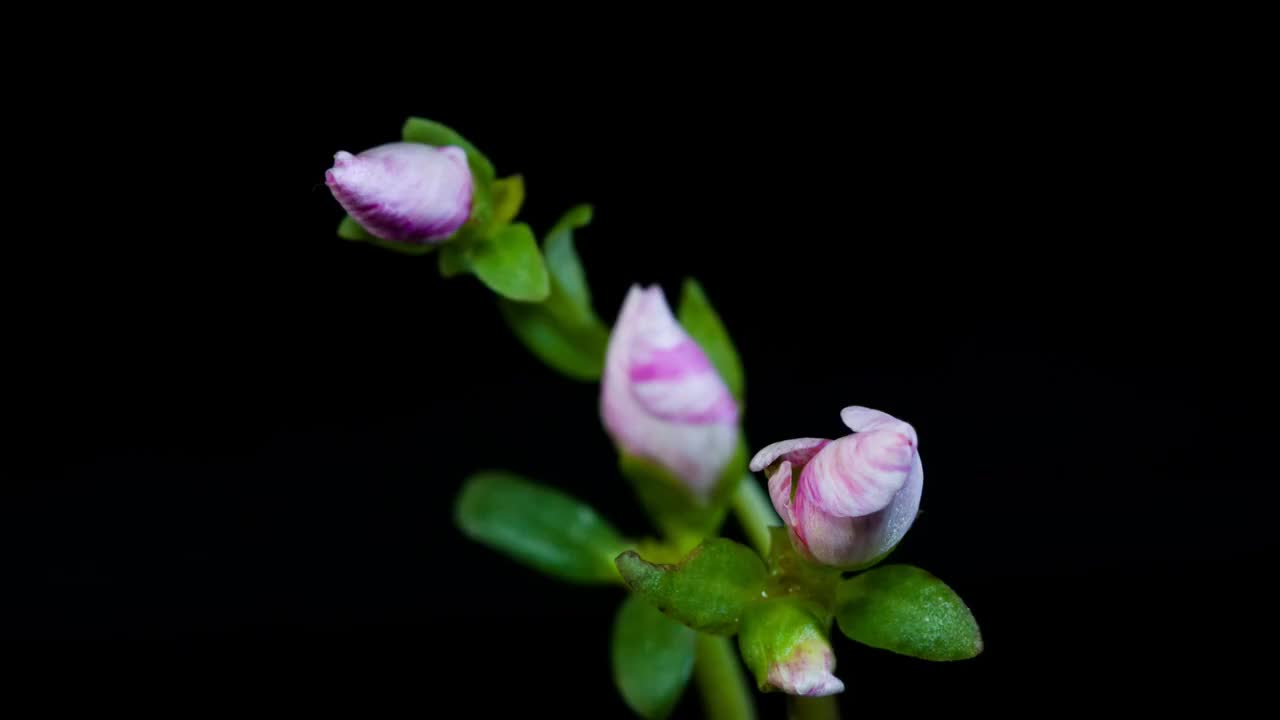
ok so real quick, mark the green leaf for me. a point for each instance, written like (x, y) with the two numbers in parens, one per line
(454, 260)
(480, 221)
(564, 265)
(563, 331)
(907, 610)
(430, 132)
(511, 265)
(351, 230)
(538, 526)
(709, 590)
(507, 197)
(577, 352)
(700, 320)
(652, 658)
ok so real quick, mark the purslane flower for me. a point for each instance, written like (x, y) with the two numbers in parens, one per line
(404, 192)
(855, 497)
(662, 400)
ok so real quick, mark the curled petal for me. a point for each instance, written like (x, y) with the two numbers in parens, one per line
(661, 398)
(852, 542)
(858, 474)
(798, 452)
(780, 491)
(856, 496)
(894, 521)
(863, 419)
(404, 192)
(821, 536)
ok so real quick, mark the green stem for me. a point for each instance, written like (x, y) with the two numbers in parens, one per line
(725, 693)
(755, 512)
(818, 708)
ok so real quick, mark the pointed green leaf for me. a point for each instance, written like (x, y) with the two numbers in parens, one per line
(564, 265)
(907, 610)
(652, 658)
(563, 331)
(709, 590)
(577, 352)
(510, 264)
(454, 260)
(507, 197)
(430, 132)
(349, 229)
(538, 526)
(481, 219)
(700, 320)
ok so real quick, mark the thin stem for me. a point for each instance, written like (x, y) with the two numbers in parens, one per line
(755, 512)
(725, 693)
(813, 708)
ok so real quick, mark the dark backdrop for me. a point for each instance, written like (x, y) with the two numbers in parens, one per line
(249, 432)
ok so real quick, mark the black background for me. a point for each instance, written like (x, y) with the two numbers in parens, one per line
(248, 433)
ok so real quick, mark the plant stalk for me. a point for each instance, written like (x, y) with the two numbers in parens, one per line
(755, 513)
(722, 681)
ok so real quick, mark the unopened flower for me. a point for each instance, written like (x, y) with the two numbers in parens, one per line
(786, 647)
(855, 497)
(662, 400)
(404, 192)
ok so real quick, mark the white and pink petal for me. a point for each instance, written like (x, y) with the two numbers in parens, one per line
(858, 474)
(798, 452)
(404, 192)
(661, 398)
(807, 671)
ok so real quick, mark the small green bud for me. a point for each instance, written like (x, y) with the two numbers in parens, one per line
(784, 642)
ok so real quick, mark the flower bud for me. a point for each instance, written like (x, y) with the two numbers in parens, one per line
(785, 645)
(662, 400)
(856, 496)
(404, 192)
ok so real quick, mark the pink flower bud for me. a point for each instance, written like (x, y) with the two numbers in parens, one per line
(806, 670)
(404, 192)
(856, 496)
(662, 400)
(785, 644)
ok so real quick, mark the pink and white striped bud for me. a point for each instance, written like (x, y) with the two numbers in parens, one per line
(662, 400)
(856, 497)
(404, 192)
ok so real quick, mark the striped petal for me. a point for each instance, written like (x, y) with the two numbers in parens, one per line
(852, 542)
(797, 452)
(857, 496)
(859, 474)
(404, 192)
(864, 419)
(661, 399)
(780, 491)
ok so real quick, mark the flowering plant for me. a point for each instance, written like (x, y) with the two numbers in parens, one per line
(671, 399)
